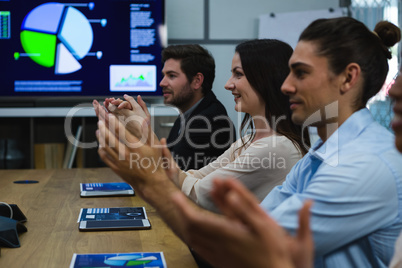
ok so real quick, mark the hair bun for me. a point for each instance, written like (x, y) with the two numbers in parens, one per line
(388, 33)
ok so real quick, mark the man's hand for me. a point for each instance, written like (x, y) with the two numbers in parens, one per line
(132, 159)
(135, 116)
(138, 108)
(247, 236)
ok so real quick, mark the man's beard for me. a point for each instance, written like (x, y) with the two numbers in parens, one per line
(182, 99)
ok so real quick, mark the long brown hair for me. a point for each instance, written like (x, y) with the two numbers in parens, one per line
(265, 65)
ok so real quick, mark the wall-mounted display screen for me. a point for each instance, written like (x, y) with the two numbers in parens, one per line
(81, 49)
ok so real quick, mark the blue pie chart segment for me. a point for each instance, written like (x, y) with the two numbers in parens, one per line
(76, 33)
(51, 11)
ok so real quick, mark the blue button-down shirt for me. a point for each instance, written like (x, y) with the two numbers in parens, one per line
(355, 181)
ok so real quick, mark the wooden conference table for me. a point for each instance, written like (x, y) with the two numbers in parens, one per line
(52, 207)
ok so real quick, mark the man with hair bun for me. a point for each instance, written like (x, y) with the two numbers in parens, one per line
(353, 174)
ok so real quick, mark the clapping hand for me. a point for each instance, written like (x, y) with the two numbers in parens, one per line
(247, 235)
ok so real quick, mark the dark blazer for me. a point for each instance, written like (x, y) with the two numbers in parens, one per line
(205, 135)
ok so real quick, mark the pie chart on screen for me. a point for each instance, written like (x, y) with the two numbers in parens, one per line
(56, 36)
(129, 260)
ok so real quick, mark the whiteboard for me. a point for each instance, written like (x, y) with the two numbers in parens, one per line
(288, 26)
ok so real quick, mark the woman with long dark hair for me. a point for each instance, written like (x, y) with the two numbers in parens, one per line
(262, 61)
(262, 158)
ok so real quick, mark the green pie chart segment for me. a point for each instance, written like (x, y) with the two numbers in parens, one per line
(136, 263)
(40, 47)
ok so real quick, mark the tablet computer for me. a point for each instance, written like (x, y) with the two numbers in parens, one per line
(120, 218)
(105, 189)
(133, 259)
